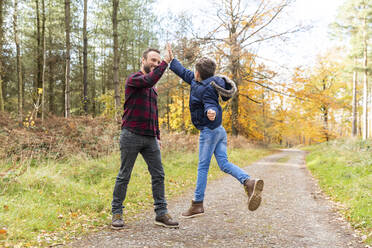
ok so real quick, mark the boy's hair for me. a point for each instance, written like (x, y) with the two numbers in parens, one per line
(206, 67)
(144, 55)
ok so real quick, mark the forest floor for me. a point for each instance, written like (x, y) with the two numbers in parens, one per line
(294, 213)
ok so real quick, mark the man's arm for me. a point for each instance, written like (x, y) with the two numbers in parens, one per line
(181, 71)
(148, 80)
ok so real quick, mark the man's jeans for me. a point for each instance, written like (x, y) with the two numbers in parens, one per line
(130, 145)
(214, 142)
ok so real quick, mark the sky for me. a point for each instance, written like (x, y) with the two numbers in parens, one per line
(301, 49)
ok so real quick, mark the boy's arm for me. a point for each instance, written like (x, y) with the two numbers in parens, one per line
(181, 71)
(210, 102)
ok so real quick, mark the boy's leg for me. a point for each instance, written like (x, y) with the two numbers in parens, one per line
(221, 156)
(207, 145)
(253, 187)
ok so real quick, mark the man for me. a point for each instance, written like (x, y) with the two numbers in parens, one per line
(140, 134)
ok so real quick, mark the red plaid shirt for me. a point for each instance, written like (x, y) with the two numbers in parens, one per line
(140, 106)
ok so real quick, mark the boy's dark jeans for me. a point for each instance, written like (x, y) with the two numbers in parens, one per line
(130, 145)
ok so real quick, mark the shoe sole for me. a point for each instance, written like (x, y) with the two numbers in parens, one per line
(255, 200)
(165, 225)
(191, 216)
(116, 227)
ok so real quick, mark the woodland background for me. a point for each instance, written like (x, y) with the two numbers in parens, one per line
(63, 65)
(70, 58)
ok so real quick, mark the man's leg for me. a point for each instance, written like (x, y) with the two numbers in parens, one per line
(152, 156)
(130, 145)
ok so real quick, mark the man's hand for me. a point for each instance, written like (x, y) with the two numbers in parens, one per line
(169, 55)
(211, 114)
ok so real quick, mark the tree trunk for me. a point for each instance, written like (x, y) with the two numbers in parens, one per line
(354, 130)
(44, 58)
(365, 83)
(85, 60)
(183, 106)
(19, 62)
(68, 47)
(103, 73)
(234, 67)
(325, 123)
(51, 79)
(39, 65)
(115, 4)
(1, 58)
(93, 82)
(168, 110)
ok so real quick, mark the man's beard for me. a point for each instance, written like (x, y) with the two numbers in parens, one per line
(147, 68)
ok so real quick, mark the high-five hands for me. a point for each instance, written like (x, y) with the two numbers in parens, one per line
(211, 114)
(169, 55)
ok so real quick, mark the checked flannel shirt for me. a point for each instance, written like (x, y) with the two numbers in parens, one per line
(140, 106)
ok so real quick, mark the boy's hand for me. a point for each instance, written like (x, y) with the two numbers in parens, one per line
(211, 114)
(169, 56)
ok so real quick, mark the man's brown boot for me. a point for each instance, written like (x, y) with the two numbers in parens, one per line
(166, 221)
(195, 210)
(253, 188)
(117, 221)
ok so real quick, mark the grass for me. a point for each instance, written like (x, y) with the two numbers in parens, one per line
(54, 202)
(344, 171)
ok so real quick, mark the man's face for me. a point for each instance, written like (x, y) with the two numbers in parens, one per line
(152, 61)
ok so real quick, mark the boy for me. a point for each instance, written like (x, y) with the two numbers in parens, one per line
(206, 115)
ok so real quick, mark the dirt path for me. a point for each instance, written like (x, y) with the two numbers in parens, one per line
(293, 214)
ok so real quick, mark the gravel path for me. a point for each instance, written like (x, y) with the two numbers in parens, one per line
(294, 213)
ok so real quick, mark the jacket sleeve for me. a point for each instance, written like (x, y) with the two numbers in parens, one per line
(181, 71)
(210, 100)
(139, 80)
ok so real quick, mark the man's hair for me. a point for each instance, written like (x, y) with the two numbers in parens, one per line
(144, 55)
(206, 67)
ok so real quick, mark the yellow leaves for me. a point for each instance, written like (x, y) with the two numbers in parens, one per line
(3, 233)
(40, 91)
(74, 214)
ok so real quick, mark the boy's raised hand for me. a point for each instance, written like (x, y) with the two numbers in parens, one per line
(211, 114)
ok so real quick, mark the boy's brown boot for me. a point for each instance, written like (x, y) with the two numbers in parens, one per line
(195, 210)
(253, 188)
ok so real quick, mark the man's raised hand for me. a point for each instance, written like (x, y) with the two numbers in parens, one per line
(169, 55)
